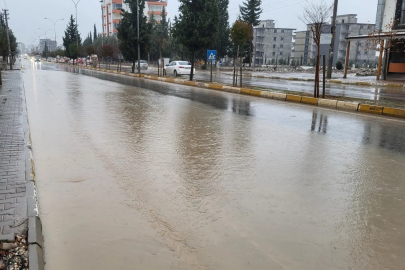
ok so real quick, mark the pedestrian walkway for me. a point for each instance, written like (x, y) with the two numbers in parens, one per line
(13, 153)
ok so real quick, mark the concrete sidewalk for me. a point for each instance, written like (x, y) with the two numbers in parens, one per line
(18, 206)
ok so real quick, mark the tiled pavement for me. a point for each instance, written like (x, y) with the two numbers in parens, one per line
(13, 156)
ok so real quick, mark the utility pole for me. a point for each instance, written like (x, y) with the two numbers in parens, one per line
(139, 52)
(8, 37)
(332, 44)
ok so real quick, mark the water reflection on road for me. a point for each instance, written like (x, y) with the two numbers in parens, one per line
(147, 175)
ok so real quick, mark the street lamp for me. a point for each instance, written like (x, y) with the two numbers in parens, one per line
(54, 26)
(77, 32)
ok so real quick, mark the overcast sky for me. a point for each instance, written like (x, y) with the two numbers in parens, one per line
(26, 16)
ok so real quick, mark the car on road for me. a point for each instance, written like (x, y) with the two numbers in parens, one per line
(144, 64)
(178, 68)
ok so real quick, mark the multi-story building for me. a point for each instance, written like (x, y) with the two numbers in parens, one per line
(155, 7)
(390, 22)
(50, 44)
(111, 13)
(305, 49)
(361, 52)
(21, 48)
(271, 44)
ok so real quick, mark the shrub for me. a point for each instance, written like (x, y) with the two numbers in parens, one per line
(339, 65)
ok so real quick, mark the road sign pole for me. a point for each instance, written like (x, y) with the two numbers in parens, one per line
(211, 72)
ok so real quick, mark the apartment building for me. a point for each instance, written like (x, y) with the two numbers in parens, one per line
(155, 7)
(50, 44)
(361, 52)
(271, 44)
(111, 15)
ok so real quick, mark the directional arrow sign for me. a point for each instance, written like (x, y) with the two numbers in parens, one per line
(211, 55)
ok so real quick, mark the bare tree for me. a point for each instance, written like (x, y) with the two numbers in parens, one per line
(315, 16)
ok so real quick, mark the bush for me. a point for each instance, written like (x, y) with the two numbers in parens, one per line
(339, 65)
(203, 66)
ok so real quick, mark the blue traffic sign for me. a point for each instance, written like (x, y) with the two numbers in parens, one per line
(211, 55)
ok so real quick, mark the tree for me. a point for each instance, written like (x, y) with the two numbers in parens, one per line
(45, 52)
(71, 34)
(95, 33)
(162, 35)
(250, 13)
(88, 41)
(127, 32)
(315, 16)
(90, 50)
(223, 42)
(197, 26)
(240, 34)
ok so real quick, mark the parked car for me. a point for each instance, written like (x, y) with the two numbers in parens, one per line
(178, 68)
(144, 64)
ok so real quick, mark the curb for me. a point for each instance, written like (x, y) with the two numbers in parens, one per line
(35, 239)
(328, 103)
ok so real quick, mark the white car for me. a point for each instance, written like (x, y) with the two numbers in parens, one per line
(178, 68)
(144, 65)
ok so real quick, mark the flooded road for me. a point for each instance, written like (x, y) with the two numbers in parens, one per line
(135, 174)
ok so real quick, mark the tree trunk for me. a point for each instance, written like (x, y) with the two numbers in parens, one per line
(317, 72)
(162, 62)
(250, 53)
(192, 66)
(240, 71)
(133, 66)
(234, 71)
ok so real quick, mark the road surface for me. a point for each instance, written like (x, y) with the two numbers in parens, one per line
(136, 174)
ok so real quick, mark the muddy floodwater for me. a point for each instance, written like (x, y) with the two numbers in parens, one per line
(135, 174)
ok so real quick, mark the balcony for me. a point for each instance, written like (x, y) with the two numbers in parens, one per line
(117, 11)
(117, 21)
(159, 13)
(117, 2)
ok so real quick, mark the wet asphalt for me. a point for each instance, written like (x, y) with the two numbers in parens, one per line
(138, 174)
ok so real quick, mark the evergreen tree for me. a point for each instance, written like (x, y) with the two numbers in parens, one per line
(71, 34)
(95, 33)
(87, 41)
(223, 42)
(197, 26)
(162, 34)
(127, 32)
(250, 13)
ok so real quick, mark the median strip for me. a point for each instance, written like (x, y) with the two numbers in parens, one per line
(328, 103)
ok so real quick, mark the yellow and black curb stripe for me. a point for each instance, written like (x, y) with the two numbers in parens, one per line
(327, 103)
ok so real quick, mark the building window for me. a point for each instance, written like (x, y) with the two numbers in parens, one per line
(275, 39)
(282, 31)
(400, 14)
(281, 46)
(274, 46)
(275, 30)
(274, 53)
(282, 38)
(366, 52)
(281, 53)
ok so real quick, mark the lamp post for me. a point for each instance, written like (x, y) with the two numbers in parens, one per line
(54, 26)
(77, 32)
